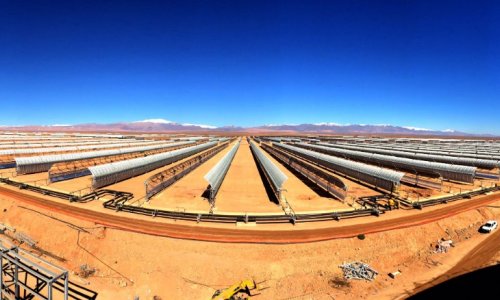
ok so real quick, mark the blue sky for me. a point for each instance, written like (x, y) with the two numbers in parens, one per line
(431, 64)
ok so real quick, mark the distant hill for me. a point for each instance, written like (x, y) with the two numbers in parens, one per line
(332, 128)
(161, 125)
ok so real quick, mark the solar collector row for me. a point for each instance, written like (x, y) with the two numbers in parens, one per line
(111, 173)
(449, 153)
(36, 164)
(216, 175)
(75, 143)
(446, 171)
(457, 148)
(388, 180)
(273, 174)
(475, 162)
(69, 148)
(40, 138)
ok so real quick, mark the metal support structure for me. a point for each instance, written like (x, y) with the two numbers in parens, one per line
(25, 276)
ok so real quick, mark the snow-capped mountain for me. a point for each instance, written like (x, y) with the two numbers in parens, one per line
(163, 125)
(163, 121)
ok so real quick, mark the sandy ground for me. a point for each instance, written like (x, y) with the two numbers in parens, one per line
(186, 194)
(301, 196)
(130, 264)
(243, 188)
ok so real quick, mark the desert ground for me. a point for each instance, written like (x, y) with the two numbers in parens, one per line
(149, 257)
(130, 264)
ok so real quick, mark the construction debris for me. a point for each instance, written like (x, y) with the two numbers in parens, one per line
(394, 274)
(358, 270)
(86, 271)
(443, 246)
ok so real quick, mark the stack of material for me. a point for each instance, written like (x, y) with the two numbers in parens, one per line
(443, 246)
(358, 270)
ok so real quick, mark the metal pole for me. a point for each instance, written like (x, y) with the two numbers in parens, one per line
(1, 275)
(16, 279)
(66, 283)
(49, 291)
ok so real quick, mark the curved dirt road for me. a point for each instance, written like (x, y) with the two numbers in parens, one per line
(127, 222)
(476, 259)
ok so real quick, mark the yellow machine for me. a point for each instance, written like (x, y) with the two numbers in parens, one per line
(238, 291)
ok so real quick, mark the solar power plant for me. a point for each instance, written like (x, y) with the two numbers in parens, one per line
(286, 176)
(245, 189)
(230, 150)
(249, 180)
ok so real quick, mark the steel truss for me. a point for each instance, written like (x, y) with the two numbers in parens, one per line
(25, 276)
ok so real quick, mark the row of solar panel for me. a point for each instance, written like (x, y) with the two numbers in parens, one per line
(216, 175)
(68, 143)
(274, 176)
(446, 171)
(388, 180)
(36, 164)
(70, 148)
(446, 153)
(475, 162)
(111, 173)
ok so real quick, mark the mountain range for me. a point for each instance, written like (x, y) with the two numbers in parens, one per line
(161, 125)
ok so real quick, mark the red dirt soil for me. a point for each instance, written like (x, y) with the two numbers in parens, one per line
(247, 235)
(130, 264)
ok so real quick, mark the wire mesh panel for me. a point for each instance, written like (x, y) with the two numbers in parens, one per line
(216, 175)
(388, 180)
(35, 164)
(114, 172)
(273, 174)
(446, 171)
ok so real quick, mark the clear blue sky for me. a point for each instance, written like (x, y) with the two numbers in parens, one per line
(431, 64)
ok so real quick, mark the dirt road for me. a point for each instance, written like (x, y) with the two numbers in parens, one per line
(236, 235)
(476, 259)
